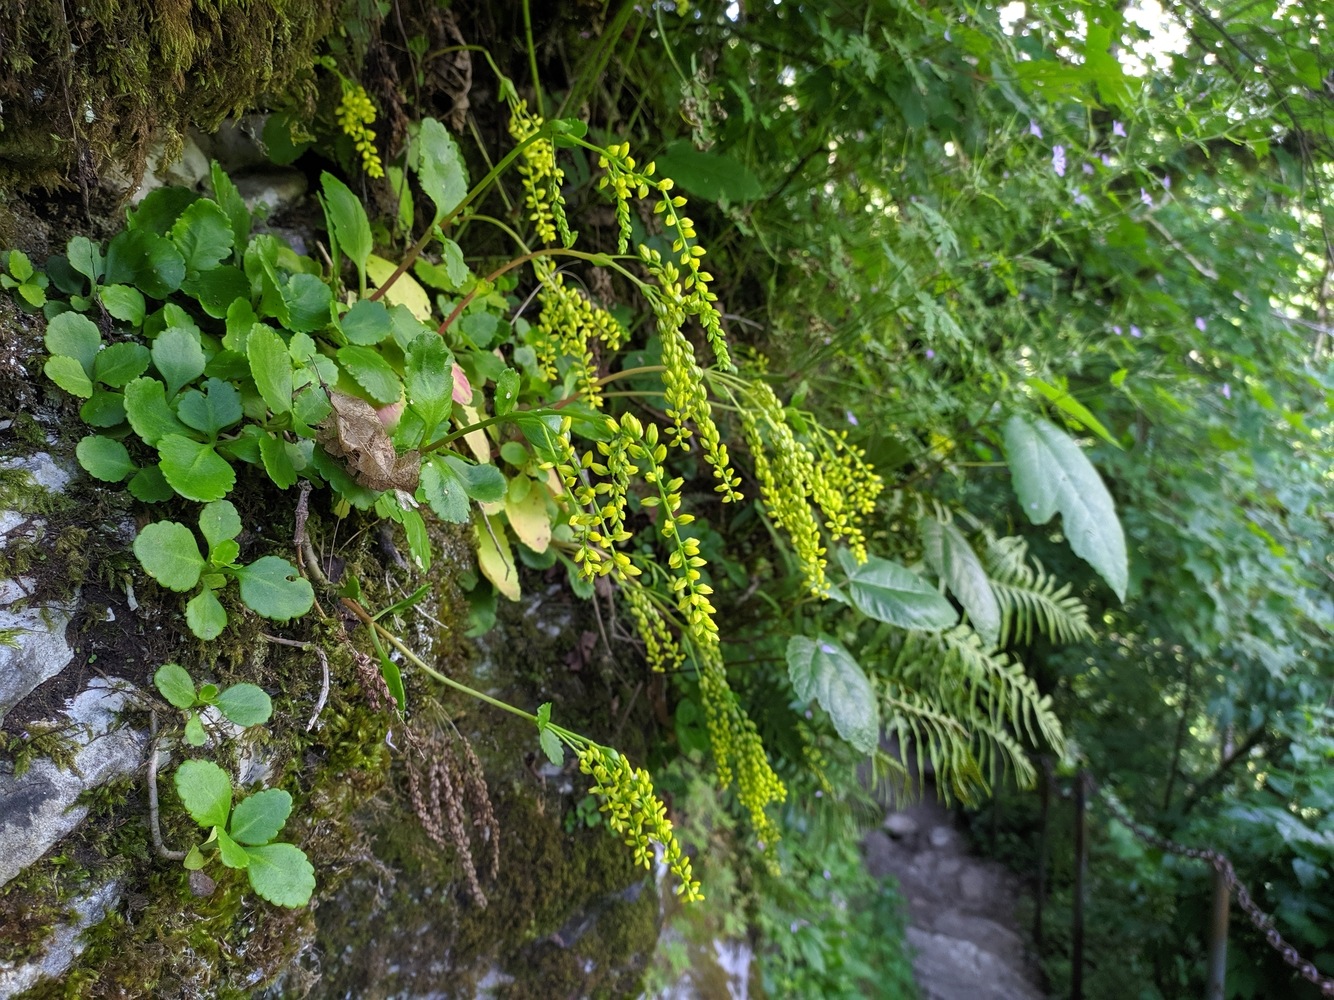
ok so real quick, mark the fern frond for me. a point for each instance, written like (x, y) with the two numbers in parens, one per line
(1030, 597)
(941, 745)
(1011, 695)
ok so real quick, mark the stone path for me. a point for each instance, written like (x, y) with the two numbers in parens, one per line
(962, 930)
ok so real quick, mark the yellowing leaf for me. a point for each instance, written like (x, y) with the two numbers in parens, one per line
(495, 558)
(404, 291)
(477, 441)
(529, 519)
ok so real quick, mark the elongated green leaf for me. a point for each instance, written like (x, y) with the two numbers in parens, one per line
(372, 372)
(1052, 473)
(231, 853)
(245, 704)
(205, 791)
(351, 228)
(430, 379)
(273, 587)
(507, 391)
(440, 167)
(176, 684)
(271, 366)
(277, 461)
(952, 559)
(281, 874)
(194, 470)
(552, 746)
(169, 554)
(1062, 399)
(823, 670)
(256, 820)
(891, 593)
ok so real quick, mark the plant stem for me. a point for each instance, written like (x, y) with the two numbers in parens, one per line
(453, 436)
(532, 57)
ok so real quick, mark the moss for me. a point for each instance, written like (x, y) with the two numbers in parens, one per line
(86, 84)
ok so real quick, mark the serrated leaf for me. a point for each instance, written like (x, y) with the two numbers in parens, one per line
(205, 790)
(1052, 473)
(245, 704)
(953, 560)
(272, 587)
(231, 202)
(544, 715)
(160, 209)
(823, 670)
(308, 300)
(74, 336)
(891, 593)
(271, 366)
(149, 486)
(256, 820)
(214, 409)
(440, 167)
(429, 378)
(444, 491)
(484, 483)
(552, 747)
(67, 373)
(147, 410)
(366, 323)
(104, 458)
(495, 558)
(124, 302)
(169, 554)
(154, 262)
(118, 364)
(205, 615)
(203, 235)
(451, 258)
(507, 391)
(194, 470)
(351, 228)
(194, 731)
(281, 874)
(231, 853)
(223, 554)
(103, 409)
(372, 372)
(19, 265)
(85, 257)
(176, 685)
(178, 356)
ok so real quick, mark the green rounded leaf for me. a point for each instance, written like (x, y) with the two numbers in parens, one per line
(124, 302)
(178, 356)
(231, 853)
(147, 410)
(103, 409)
(823, 670)
(484, 483)
(67, 373)
(440, 167)
(73, 336)
(203, 235)
(372, 372)
(891, 593)
(214, 409)
(444, 491)
(245, 704)
(148, 485)
(366, 323)
(273, 451)
(205, 790)
(104, 458)
(258, 819)
(308, 300)
(194, 731)
(281, 874)
(194, 470)
(119, 363)
(169, 554)
(176, 684)
(272, 587)
(205, 615)
(219, 521)
(218, 289)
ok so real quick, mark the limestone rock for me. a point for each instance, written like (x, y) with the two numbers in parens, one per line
(39, 650)
(40, 808)
(63, 945)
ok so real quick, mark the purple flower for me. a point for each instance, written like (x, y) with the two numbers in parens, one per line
(930, 354)
(1083, 200)
(1058, 160)
(1145, 197)
(1116, 329)
(1199, 323)
(1118, 130)
(852, 419)
(1167, 182)
(1136, 331)
(1226, 391)
(1088, 167)
(1106, 160)
(1035, 129)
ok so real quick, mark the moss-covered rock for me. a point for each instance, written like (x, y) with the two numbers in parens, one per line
(87, 84)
